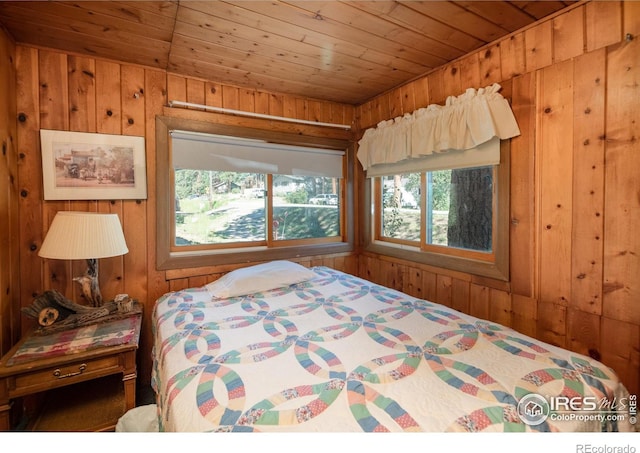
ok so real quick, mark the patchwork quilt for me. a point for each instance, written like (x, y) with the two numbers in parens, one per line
(337, 353)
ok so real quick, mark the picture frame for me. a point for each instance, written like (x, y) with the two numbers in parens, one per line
(90, 166)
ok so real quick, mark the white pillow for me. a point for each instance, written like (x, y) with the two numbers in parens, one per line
(258, 278)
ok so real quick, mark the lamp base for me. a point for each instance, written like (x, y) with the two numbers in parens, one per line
(90, 283)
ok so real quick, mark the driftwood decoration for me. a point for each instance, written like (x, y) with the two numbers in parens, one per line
(54, 312)
(89, 283)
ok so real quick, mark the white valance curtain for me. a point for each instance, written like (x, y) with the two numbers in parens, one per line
(456, 128)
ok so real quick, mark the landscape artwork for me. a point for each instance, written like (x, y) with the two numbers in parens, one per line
(86, 166)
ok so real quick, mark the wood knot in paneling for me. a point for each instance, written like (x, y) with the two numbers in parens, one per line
(612, 287)
(594, 354)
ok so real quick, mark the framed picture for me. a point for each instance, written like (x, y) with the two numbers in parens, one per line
(86, 166)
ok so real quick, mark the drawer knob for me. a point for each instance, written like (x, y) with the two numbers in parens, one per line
(58, 374)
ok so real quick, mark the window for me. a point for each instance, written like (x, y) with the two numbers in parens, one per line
(449, 217)
(250, 196)
(457, 213)
(218, 208)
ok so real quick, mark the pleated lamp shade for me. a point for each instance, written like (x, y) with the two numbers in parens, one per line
(83, 235)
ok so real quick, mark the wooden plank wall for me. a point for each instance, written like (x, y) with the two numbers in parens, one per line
(78, 93)
(9, 257)
(574, 85)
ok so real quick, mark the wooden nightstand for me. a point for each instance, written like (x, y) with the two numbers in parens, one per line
(88, 374)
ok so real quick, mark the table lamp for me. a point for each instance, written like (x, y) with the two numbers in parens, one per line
(85, 235)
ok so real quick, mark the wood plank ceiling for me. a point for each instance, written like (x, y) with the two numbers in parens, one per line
(342, 51)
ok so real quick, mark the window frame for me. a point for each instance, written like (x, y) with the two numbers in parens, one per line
(494, 264)
(169, 257)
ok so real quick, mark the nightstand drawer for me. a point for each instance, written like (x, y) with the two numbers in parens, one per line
(58, 376)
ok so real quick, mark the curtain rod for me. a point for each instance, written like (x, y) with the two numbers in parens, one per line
(256, 115)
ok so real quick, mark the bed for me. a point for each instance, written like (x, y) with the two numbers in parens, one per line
(281, 347)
